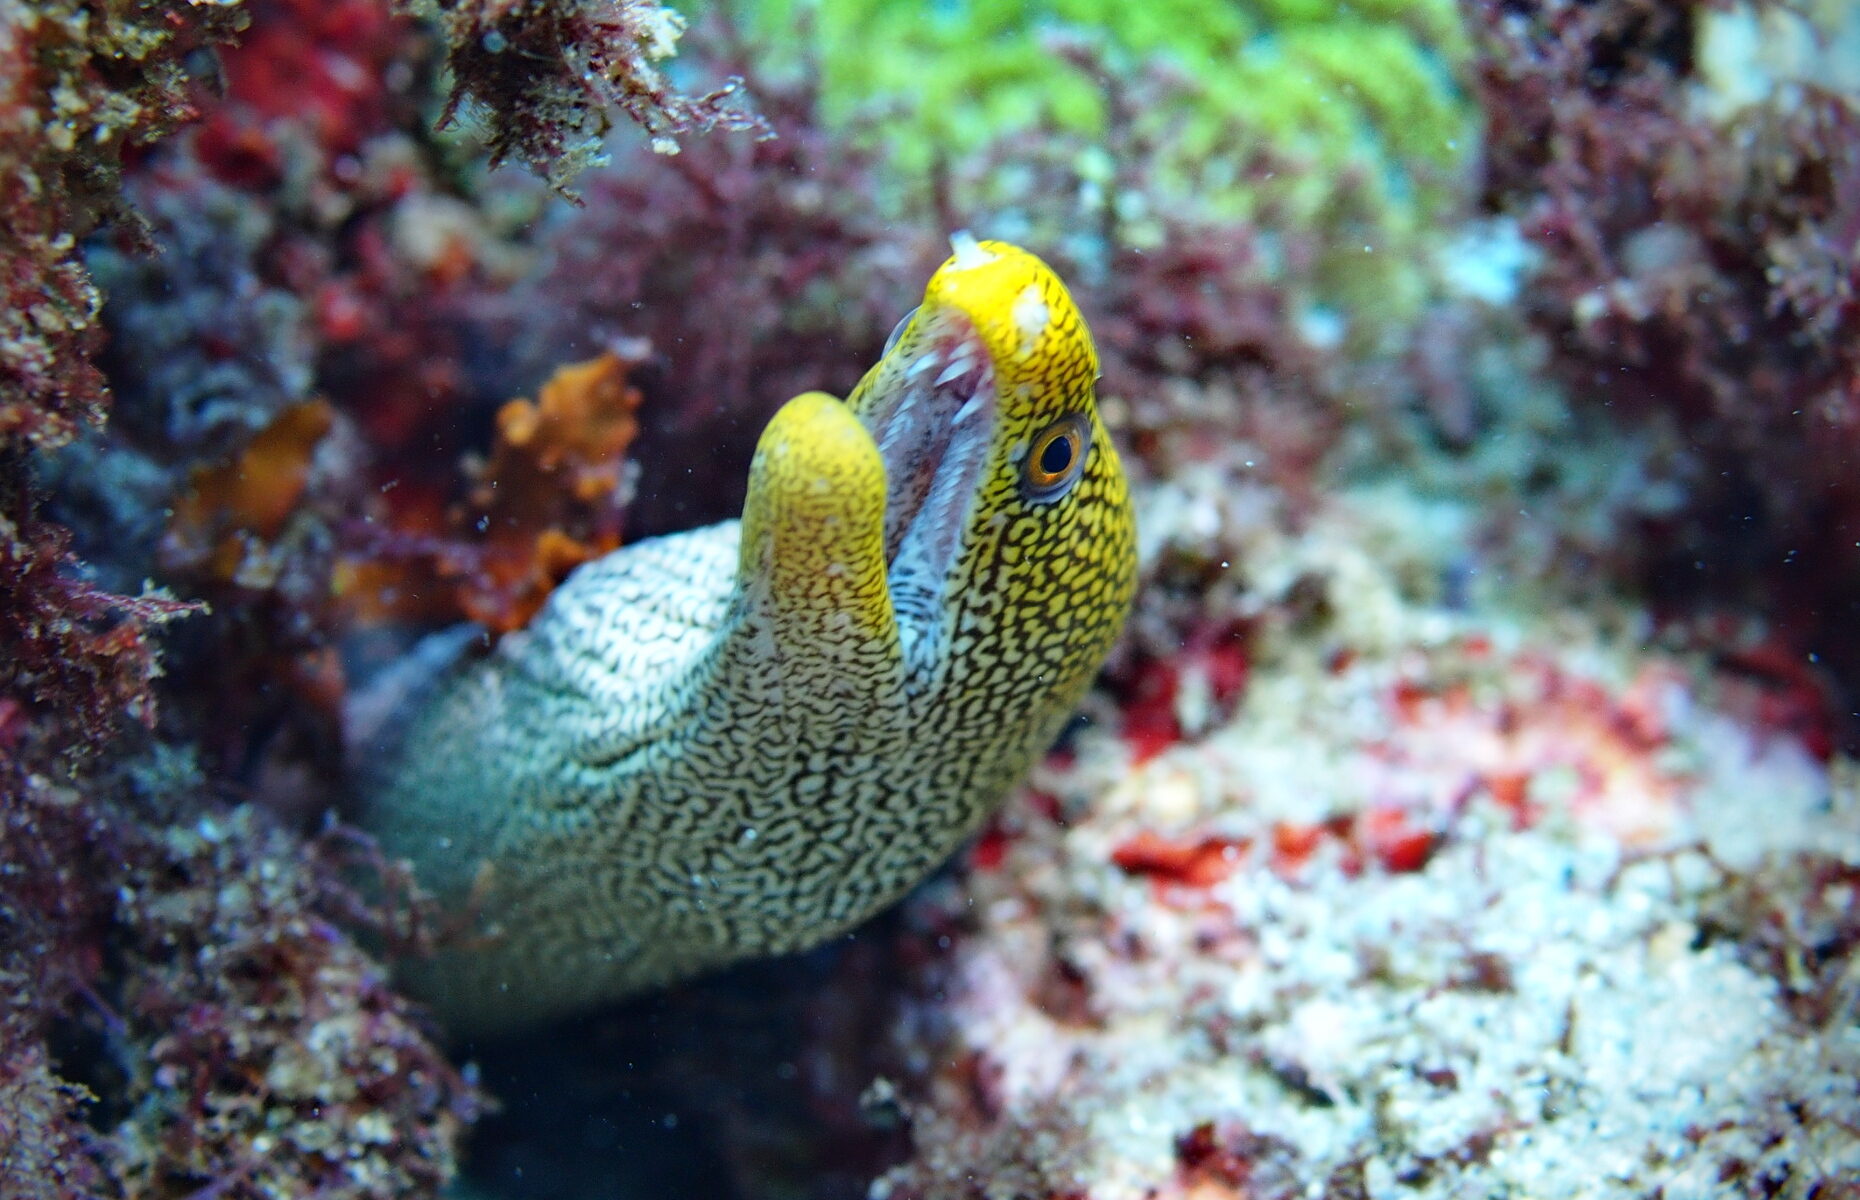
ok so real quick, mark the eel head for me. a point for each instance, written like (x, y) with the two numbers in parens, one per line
(966, 498)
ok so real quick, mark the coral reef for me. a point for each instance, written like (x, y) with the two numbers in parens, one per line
(72, 655)
(1362, 877)
(81, 89)
(78, 91)
(293, 282)
(321, 117)
(1393, 854)
(332, 285)
(1358, 798)
(278, 1060)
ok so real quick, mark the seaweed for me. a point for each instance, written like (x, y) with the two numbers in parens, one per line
(545, 77)
(1697, 275)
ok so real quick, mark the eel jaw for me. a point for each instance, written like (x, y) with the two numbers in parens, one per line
(932, 409)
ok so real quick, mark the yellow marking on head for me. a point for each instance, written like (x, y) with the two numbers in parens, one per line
(1002, 289)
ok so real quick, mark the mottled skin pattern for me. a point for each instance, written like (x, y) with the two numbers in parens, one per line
(744, 739)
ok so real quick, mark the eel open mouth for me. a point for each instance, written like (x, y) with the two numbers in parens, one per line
(932, 414)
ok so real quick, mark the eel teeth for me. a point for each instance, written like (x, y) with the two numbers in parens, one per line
(970, 407)
(955, 370)
(930, 359)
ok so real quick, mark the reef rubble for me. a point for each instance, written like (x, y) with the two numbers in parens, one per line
(1454, 901)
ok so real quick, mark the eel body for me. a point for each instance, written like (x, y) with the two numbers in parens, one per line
(744, 739)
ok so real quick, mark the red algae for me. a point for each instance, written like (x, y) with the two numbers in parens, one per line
(1698, 275)
(119, 82)
(72, 651)
(546, 77)
(73, 655)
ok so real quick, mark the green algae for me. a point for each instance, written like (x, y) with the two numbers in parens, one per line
(1345, 120)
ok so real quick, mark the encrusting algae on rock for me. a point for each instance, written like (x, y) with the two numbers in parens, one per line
(744, 739)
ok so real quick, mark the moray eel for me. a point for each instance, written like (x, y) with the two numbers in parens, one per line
(744, 739)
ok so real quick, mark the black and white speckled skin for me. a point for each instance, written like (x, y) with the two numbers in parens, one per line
(744, 739)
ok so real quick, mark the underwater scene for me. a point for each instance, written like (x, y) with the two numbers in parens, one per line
(940, 600)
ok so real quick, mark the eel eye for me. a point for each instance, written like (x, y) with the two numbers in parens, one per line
(1055, 459)
(897, 332)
